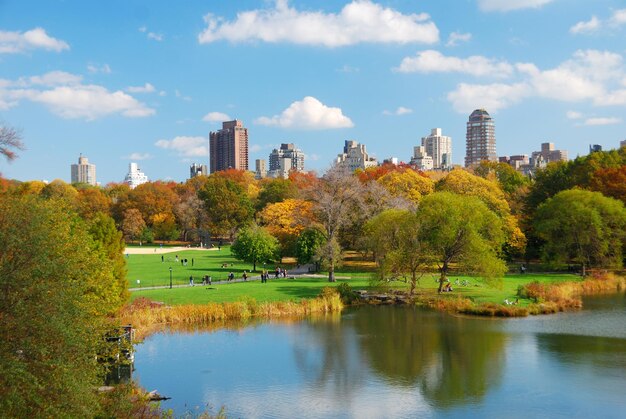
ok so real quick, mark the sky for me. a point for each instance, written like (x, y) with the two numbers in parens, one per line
(146, 81)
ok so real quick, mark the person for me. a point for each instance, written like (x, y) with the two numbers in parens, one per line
(284, 273)
(191, 261)
(176, 258)
(219, 245)
(522, 269)
(191, 280)
(245, 276)
(161, 258)
(231, 276)
(277, 272)
(209, 279)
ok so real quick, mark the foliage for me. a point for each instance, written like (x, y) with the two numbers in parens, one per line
(133, 223)
(254, 244)
(52, 277)
(227, 204)
(275, 190)
(407, 184)
(582, 226)
(286, 220)
(509, 179)
(308, 244)
(462, 230)
(610, 182)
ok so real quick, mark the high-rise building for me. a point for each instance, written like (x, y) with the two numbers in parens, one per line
(622, 143)
(548, 154)
(284, 159)
(84, 172)
(480, 138)
(421, 160)
(439, 147)
(261, 168)
(594, 148)
(355, 156)
(229, 147)
(197, 170)
(135, 177)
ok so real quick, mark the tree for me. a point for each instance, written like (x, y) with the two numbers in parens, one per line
(461, 230)
(53, 279)
(275, 190)
(254, 244)
(286, 220)
(582, 227)
(610, 182)
(227, 204)
(10, 140)
(133, 223)
(407, 184)
(395, 237)
(190, 213)
(334, 198)
(308, 244)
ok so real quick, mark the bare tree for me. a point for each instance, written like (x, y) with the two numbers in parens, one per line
(335, 196)
(10, 140)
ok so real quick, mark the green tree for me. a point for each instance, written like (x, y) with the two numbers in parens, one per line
(395, 236)
(275, 190)
(254, 244)
(227, 204)
(582, 227)
(52, 274)
(308, 244)
(461, 230)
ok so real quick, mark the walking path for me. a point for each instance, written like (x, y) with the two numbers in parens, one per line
(299, 271)
(160, 250)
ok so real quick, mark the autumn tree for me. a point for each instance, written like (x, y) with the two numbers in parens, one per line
(133, 223)
(610, 182)
(582, 227)
(10, 140)
(461, 230)
(92, 200)
(286, 220)
(56, 287)
(335, 199)
(407, 184)
(254, 245)
(275, 190)
(190, 214)
(227, 204)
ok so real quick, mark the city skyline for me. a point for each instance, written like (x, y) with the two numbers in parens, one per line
(151, 90)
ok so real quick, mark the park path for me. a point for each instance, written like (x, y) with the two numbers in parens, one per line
(161, 250)
(299, 271)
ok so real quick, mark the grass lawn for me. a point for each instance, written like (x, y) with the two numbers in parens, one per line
(152, 272)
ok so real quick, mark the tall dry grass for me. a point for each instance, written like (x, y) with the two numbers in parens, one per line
(146, 316)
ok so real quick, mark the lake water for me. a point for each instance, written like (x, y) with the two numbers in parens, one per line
(397, 362)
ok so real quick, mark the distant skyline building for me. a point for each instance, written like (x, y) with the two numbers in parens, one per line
(260, 168)
(421, 160)
(480, 138)
(284, 159)
(198, 170)
(355, 156)
(594, 148)
(622, 143)
(439, 147)
(547, 155)
(135, 177)
(228, 147)
(84, 172)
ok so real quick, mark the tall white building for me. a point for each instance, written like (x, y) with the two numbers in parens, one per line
(355, 156)
(480, 138)
(421, 160)
(261, 168)
(135, 177)
(84, 172)
(439, 147)
(284, 159)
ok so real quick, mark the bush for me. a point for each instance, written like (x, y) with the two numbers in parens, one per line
(346, 293)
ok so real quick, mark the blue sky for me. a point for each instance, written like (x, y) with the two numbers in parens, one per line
(146, 81)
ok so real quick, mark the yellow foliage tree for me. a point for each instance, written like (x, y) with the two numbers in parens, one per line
(407, 184)
(286, 220)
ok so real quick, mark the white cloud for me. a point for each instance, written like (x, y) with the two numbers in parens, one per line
(146, 88)
(401, 110)
(181, 96)
(618, 18)
(15, 42)
(492, 97)
(602, 121)
(309, 113)
(348, 69)
(585, 27)
(509, 5)
(573, 115)
(138, 156)
(216, 117)
(186, 146)
(54, 78)
(456, 38)
(360, 21)
(431, 61)
(155, 36)
(93, 69)
(590, 75)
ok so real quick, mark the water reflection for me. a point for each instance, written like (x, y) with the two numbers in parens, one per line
(395, 362)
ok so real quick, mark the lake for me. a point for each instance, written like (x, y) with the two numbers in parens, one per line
(398, 362)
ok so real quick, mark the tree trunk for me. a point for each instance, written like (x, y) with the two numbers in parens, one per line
(442, 278)
(584, 270)
(413, 284)
(331, 271)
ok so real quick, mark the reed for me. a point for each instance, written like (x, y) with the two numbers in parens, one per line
(147, 316)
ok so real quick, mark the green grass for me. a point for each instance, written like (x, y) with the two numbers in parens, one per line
(152, 272)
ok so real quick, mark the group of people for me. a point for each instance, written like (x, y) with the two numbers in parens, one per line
(206, 280)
